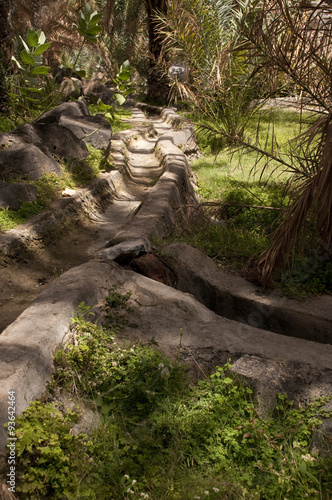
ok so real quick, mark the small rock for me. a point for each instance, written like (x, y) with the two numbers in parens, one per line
(126, 250)
(68, 192)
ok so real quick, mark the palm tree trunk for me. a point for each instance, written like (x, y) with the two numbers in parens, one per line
(158, 81)
(6, 48)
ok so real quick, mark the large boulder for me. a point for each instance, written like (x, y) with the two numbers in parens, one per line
(26, 160)
(13, 195)
(54, 139)
(50, 138)
(74, 109)
(94, 130)
(75, 116)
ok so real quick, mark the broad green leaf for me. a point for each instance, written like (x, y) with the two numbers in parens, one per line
(25, 45)
(94, 30)
(124, 75)
(129, 91)
(91, 38)
(81, 73)
(82, 31)
(32, 37)
(82, 23)
(31, 99)
(119, 98)
(102, 106)
(26, 90)
(26, 57)
(41, 70)
(87, 12)
(12, 95)
(41, 48)
(94, 19)
(302, 467)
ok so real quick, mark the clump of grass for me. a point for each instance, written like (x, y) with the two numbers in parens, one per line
(160, 437)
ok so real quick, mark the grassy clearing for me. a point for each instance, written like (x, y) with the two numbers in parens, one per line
(159, 436)
(240, 184)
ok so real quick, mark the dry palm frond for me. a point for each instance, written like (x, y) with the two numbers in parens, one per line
(312, 207)
(298, 44)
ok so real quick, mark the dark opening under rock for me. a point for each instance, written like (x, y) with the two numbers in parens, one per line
(154, 267)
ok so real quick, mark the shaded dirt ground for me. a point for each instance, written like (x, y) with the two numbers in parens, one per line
(23, 277)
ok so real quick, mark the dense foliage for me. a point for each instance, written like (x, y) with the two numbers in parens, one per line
(155, 435)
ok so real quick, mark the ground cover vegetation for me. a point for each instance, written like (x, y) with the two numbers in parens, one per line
(155, 434)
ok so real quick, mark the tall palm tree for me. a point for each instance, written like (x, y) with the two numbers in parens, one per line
(158, 81)
(6, 47)
(129, 23)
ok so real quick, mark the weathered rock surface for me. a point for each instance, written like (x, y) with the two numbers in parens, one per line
(73, 109)
(26, 160)
(160, 313)
(94, 130)
(31, 150)
(126, 251)
(75, 116)
(12, 195)
(53, 139)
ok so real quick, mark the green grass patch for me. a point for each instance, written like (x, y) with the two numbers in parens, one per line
(115, 116)
(252, 197)
(159, 436)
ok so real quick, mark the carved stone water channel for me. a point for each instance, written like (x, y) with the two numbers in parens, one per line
(208, 318)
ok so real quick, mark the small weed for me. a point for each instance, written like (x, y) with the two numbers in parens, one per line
(116, 118)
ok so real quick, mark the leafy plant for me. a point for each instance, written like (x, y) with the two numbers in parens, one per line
(123, 83)
(88, 28)
(47, 452)
(32, 85)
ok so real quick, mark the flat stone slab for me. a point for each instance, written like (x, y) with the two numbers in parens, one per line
(236, 298)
